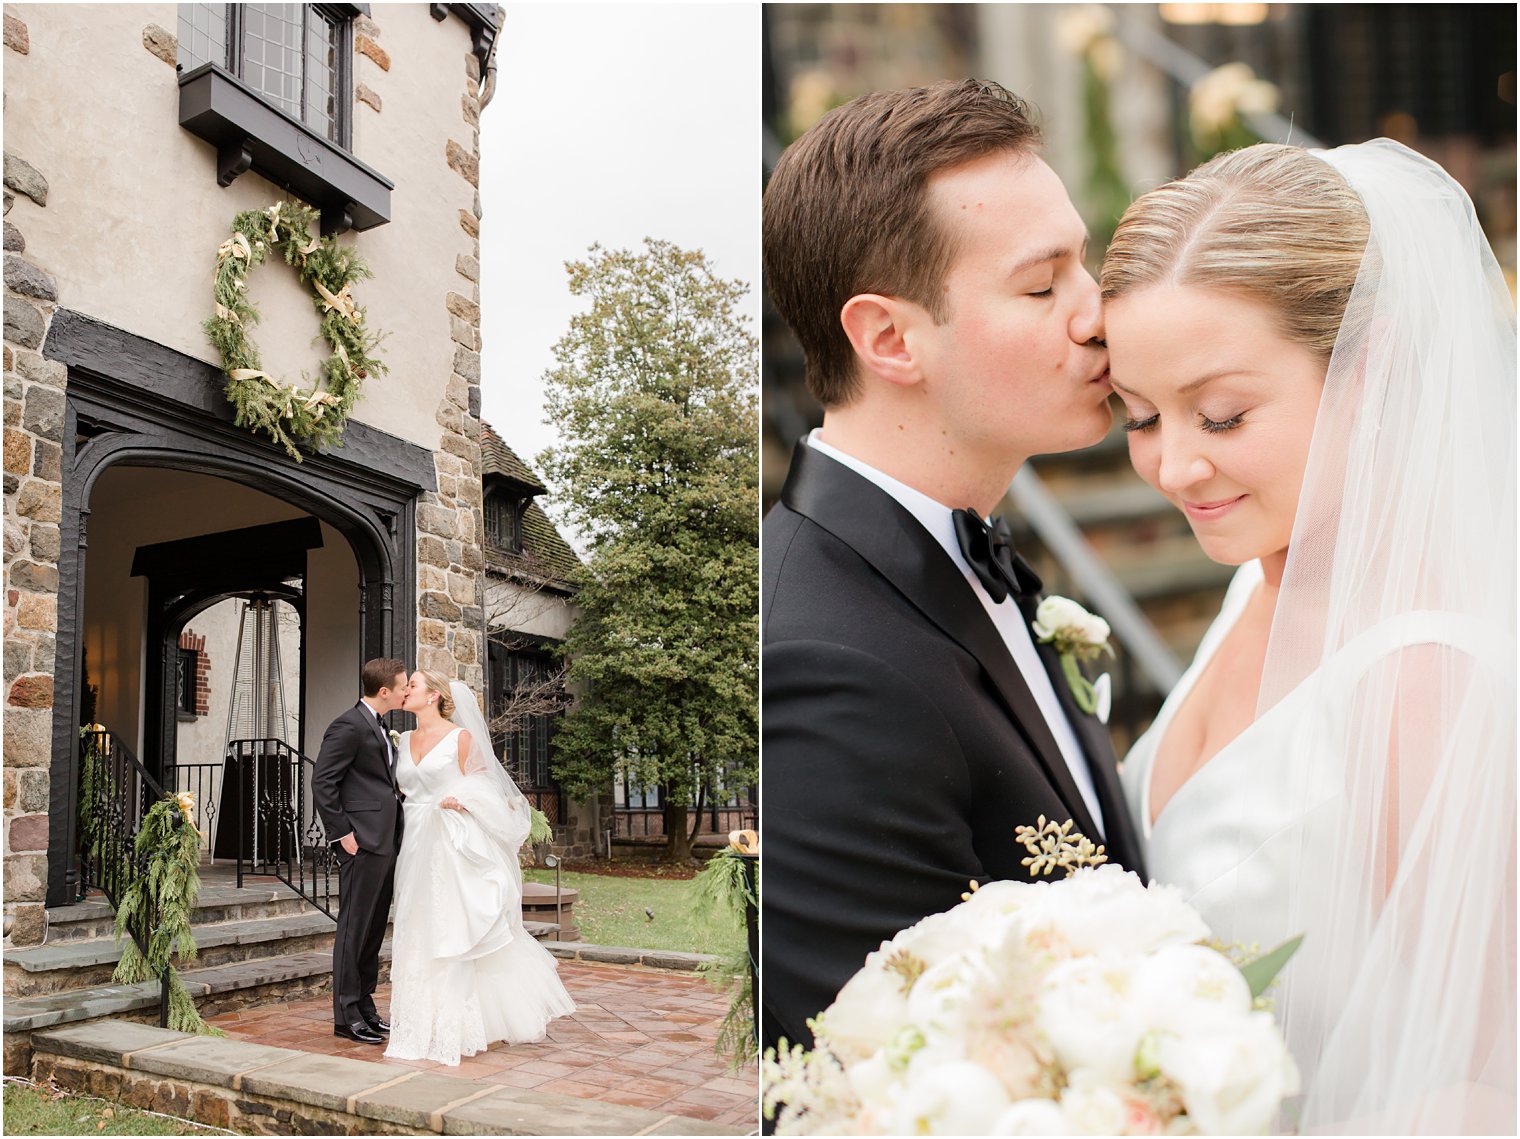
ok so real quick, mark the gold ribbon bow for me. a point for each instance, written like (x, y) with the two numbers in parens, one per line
(235, 246)
(339, 302)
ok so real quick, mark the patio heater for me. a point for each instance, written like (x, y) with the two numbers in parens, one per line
(552, 862)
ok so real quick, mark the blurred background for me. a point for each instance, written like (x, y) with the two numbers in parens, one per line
(1132, 95)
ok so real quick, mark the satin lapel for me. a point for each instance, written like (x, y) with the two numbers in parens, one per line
(1118, 830)
(878, 528)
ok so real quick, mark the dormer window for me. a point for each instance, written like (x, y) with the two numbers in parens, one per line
(504, 517)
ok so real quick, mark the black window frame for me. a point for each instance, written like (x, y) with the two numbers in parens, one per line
(185, 667)
(250, 131)
(505, 510)
(342, 17)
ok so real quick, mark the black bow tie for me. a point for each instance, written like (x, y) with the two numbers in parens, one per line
(989, 551)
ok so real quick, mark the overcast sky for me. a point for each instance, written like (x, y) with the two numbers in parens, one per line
(610, 122)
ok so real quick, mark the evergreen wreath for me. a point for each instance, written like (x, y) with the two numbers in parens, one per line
(290, 415)
(168, 849)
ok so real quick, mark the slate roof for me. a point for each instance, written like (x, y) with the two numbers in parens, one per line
(546, 555)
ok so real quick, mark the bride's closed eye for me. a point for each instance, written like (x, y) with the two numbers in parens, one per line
(1216, 427)
(1135, 423)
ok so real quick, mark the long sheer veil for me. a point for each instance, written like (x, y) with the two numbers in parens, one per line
(492, 798)
(1396, 625)
(482, 761)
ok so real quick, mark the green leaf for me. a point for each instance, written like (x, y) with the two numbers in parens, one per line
(1261, 972)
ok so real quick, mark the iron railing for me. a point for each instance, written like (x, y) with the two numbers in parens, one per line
(274, 827)
(649, 822)
(116, 792)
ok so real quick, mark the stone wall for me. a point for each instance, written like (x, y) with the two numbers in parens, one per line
(451, 575)
(34, 407)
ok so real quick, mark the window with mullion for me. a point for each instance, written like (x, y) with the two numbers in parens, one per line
(291, 54)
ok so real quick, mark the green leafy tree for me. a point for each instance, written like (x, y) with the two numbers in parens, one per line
(654, 395)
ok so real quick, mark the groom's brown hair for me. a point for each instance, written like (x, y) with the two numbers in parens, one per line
(846, 211)
(380, 673)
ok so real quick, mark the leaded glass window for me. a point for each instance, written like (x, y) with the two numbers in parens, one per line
(291, 54)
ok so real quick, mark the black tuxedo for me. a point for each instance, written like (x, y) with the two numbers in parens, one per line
(354, 787)
(902, 746)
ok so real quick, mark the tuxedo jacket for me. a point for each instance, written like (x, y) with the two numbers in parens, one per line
(902, 745)
(354, 785)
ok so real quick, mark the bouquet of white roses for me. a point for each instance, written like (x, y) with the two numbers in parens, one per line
(1083, 1006)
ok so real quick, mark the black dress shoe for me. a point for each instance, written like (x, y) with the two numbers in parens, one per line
(360, 1032)
(377, 1025)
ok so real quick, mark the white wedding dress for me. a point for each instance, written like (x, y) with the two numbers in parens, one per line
(464, 973)
(1239, 836)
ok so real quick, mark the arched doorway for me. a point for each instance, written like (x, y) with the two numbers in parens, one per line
(151, 457)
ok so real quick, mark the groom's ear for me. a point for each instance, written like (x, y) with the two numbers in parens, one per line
(880, 330)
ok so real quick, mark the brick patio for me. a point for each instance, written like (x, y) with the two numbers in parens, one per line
(639, 1037)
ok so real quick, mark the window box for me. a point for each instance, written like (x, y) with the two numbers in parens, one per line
(249, 133)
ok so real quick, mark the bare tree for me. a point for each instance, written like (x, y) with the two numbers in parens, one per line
(519, 594)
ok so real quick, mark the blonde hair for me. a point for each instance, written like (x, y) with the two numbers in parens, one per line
(437, 682)
(1271, 223)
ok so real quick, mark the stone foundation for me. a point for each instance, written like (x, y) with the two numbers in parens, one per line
(260, 1090)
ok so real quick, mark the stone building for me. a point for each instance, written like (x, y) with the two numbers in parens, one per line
(530, 606)
(133, 502)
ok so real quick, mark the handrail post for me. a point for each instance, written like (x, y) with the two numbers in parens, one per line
(240, 813)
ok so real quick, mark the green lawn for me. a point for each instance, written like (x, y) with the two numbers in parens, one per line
(34, 1110)
(610, 911)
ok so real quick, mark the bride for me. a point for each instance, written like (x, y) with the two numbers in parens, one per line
(463, 971)
(1316, 351)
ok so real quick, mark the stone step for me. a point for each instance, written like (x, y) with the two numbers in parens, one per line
(89, 963)
(217, 988)
(94, 917)
(99, 951)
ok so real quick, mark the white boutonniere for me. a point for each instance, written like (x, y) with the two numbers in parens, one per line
(1077, 635)
(395, 739)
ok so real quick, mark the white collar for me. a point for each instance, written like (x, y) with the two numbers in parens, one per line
(933, 516)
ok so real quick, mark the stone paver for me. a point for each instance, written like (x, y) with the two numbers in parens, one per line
(209, 1059)
(639, 1038)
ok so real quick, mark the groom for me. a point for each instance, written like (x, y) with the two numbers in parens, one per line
(355, 790)
(931, 266)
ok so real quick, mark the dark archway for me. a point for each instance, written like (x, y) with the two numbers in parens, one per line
(188, 576)
(137, 403)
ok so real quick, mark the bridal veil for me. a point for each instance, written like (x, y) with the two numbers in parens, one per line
(1400, 1006)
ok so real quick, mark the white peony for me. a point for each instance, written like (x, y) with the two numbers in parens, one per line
(1095, 1108)
(940, 936)
(953, 1098)
(1234, 1076)
(1109, 910)
(868, 1011)
(1183, 988)
(1090, 1019)
(1033, 1117)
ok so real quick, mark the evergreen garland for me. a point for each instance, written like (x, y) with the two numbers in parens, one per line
(720, 888)
(290, 415)
(168, 849)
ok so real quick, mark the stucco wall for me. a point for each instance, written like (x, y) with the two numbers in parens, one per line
(135, 215)
(522, 609)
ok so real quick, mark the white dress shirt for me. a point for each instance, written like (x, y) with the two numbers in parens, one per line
(936, 518)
